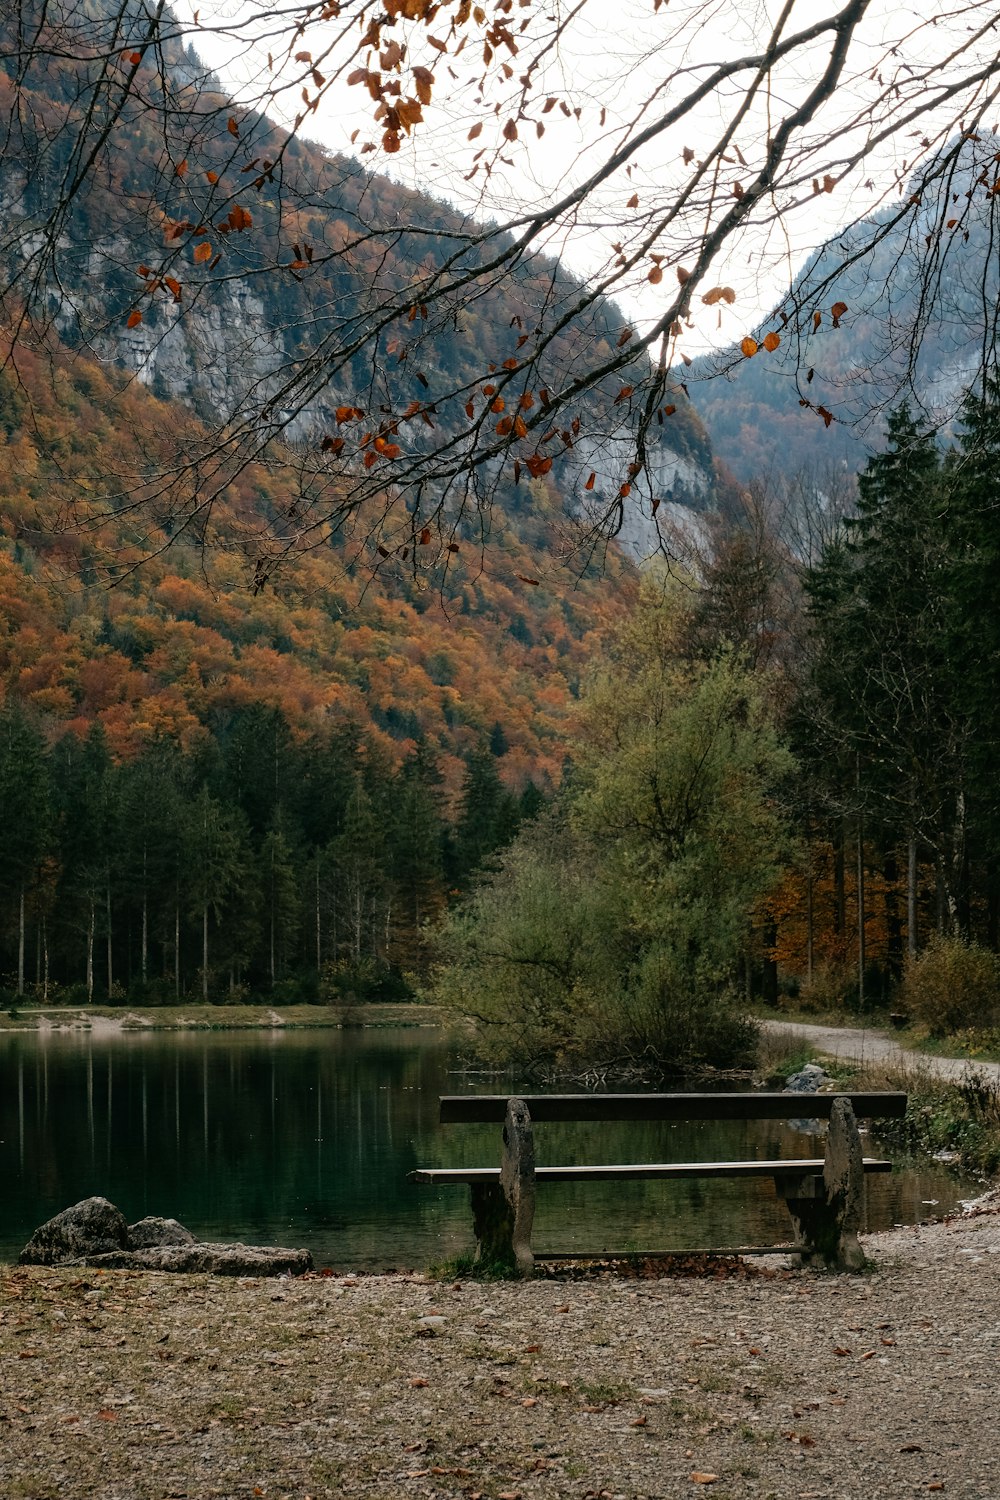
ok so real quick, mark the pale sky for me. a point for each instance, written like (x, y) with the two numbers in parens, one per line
(620, 53)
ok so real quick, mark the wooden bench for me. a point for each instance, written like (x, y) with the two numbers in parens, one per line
(824, 1195)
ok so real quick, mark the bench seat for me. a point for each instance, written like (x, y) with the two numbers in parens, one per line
(641, 1171)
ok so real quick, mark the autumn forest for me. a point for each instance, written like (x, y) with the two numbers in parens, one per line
(380, 619)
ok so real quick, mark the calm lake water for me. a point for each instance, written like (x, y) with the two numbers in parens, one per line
(306, 1137)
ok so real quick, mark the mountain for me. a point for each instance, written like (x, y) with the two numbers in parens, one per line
(276, 290)
(256, 724)
(919, 282)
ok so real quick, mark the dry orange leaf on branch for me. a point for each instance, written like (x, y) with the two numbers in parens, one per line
(748, 347)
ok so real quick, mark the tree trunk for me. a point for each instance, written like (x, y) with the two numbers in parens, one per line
(893, 922)
(810, 921)
(839, 882)
(204, 954)
(177, 949)
(319, 944)
(145, 918)
(952, 872)
(20, 945)
(90, 952)
(862, 958)
(769, 978)
(45, 959)
(911, 898)
(111, 977)
(992, 904)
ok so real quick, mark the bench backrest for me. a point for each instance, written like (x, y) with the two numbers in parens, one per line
(492, 1108)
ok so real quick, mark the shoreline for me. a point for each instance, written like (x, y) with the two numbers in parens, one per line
(109, 1020)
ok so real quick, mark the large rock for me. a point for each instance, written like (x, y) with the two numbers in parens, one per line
(94, 1233)
(213, 1259)
(152, 1231)
(807, 1080)
(91, 1227)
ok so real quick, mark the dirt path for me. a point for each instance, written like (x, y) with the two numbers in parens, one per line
(856, 1044)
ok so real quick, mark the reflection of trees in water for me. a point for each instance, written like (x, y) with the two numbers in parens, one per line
(239, 1137)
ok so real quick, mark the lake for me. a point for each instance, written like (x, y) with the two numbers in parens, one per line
(305, 1138)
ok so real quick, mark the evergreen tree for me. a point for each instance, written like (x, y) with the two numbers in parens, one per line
(973, 518)
(487, 816)
(216, 876)
(83, 779)
(876, 727)
(416, 840)
(277, 865)
(151, 814)
(361, 878)
(25, 819)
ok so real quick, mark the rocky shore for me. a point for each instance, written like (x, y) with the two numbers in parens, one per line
(764, 1383)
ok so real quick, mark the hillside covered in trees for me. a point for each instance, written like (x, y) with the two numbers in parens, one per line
(323, 760)
(301, 619)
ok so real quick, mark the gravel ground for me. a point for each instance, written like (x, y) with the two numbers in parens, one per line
(752, 1383)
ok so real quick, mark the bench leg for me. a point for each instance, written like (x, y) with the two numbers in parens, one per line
(826, 1211)
(517, 1178)
(493, 1222)
(503, 1212)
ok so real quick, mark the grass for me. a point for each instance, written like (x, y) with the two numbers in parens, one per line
(940, 1116)
(778, 1057)
(467, 1267)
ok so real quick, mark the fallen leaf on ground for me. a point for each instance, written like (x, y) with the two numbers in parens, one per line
(699, 1478)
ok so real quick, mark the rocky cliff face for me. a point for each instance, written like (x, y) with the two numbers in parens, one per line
(922, 290)
(269, 324)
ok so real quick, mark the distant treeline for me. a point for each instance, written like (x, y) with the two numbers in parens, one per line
(303, 869)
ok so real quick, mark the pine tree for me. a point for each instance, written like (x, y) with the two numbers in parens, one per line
(974, 633)
(25, 819)
(277, 867)
(361, 877)
(416, 846)
(216, 860)
(878, 728)
(487, 817)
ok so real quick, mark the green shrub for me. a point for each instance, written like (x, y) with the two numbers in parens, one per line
(951, 986)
